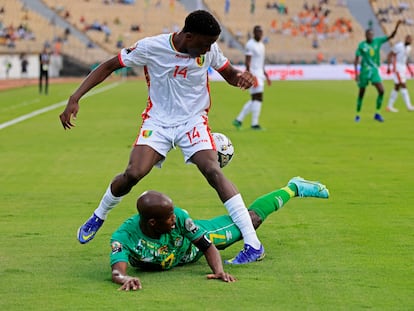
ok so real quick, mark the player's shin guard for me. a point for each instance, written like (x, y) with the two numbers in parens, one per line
(245, 110)
(256, 108)
(240, 215)
(406, 97)
(108, 202)
(393, 98)
(359, 105)
(380, 98)
(272, 202)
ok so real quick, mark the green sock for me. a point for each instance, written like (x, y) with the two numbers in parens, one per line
(273, 201)
(359, 105)
(380, 98)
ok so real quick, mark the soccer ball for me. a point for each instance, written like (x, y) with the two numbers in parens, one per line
(224, 147)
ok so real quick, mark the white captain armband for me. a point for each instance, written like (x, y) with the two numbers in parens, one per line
(203, 243)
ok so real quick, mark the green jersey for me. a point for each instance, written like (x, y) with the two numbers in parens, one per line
(129, 244)
(370, 53)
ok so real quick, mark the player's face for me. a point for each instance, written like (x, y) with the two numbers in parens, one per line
(408, 40)
(166, 224)
(258, 34)
(198, 45)
(369, 35)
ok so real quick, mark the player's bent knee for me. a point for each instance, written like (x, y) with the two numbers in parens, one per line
(133, 177)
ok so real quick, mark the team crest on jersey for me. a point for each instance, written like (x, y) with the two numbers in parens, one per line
(146, 133)
(200, 60)
(116, 247)
(190, 225)
(178, 242)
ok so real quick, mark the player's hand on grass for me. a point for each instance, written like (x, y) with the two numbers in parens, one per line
(131, 284)
(226, 277)
(69, 113)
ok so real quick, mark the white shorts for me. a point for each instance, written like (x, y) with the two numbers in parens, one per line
(258, 86)
(190, 137)
(399, 76)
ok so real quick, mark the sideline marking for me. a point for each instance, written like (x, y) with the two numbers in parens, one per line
(54, 106)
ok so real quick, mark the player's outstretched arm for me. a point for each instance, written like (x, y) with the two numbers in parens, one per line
(214, 260)
(119, 276)
(392, 35)
(243, 80)
(94, 78)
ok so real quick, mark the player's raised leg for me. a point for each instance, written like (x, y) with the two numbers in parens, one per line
(307, 188)
(273, 201)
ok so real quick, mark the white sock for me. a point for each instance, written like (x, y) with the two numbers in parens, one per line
(256, 108)
(240, 215)
(245, 111)
(393, 97)
(108, 202)
(406, 97)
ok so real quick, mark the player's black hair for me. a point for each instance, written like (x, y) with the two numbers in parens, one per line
(203, 23)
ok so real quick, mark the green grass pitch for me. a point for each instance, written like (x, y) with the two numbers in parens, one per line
(354, 251)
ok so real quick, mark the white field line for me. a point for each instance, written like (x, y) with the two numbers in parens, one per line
(54, 106)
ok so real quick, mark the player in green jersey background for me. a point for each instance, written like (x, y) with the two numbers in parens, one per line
(163, 236)
(368, 52)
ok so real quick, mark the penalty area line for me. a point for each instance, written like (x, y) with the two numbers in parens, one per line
(54, 106)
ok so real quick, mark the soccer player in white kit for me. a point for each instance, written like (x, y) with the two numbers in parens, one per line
(398, 59)
(175, 67)
(255, 60)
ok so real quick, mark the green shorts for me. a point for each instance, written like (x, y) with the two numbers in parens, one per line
(369, 75)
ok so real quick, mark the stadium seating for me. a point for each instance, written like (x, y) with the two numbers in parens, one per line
(44, 32)
(388, 12)
(124, 20)
(287, 46)
(13, 16)
(127, 21)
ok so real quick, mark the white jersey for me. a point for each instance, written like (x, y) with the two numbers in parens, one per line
(401, 52)
(177, 84)
(257, 52)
